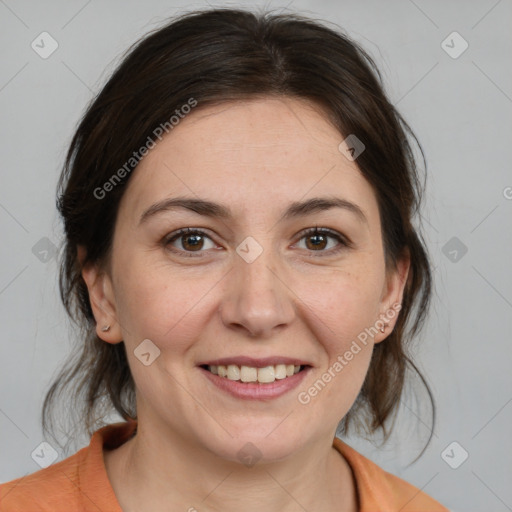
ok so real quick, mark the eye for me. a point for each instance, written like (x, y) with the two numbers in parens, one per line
(319, 238)
(192, 240)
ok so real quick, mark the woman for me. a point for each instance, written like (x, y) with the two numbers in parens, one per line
(238, 206)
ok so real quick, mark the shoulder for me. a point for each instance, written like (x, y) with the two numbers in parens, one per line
(379, 490)
(79, 482)
(46, 489)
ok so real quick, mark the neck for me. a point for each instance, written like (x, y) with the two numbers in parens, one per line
(149, 471)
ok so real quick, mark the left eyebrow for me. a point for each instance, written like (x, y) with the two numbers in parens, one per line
(215, 210)
(319, 204)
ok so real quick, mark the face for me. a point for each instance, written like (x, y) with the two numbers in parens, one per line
(253, 283)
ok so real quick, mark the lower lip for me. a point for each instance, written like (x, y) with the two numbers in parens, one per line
(255, 390)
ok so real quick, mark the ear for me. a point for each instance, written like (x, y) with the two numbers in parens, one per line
(101, 297)
(392, 295)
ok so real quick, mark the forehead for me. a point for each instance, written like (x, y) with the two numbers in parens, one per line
(259, 153)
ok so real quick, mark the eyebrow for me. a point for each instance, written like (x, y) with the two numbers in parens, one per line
(215, 210)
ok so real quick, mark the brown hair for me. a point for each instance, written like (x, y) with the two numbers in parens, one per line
(213, 56)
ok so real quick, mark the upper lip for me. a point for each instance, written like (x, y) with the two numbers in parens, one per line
(255, 362)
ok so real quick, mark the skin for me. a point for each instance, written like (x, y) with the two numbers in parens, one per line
(294, 300)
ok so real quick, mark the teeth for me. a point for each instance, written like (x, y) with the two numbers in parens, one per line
(264, 375)
(248, 374)
(280, 371)
(233, 372)
(267, 374)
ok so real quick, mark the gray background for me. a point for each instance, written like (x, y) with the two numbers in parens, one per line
(460, 108)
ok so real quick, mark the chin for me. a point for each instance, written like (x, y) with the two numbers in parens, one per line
(259, 442)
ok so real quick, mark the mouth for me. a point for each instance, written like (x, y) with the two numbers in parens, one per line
(247, 374)
(255, 379)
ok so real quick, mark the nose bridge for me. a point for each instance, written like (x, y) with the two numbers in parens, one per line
(258, 299)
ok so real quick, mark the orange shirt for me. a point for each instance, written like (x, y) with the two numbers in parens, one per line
(80, 482)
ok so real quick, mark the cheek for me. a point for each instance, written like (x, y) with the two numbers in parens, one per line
(343, 305)
(342, 311)
(341, 324)
(154, 302)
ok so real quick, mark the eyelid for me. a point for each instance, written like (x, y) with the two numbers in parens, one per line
(343, 241)
(325, 231)
(176, 235)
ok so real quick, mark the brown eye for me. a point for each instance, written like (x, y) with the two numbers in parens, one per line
(317, 240)
(192, 242)
(189, 241)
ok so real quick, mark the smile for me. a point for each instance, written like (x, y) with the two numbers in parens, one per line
(252, 379)
(265, 375)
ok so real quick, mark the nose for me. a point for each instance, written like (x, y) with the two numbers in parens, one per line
(257, 299)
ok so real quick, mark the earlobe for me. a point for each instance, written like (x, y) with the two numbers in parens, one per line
(102, 301)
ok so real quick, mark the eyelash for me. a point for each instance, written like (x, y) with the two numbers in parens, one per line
(344, 243)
